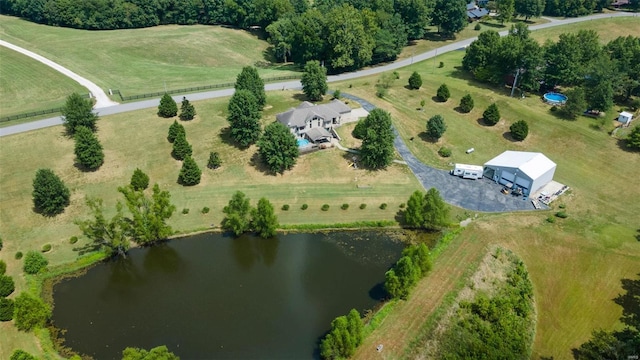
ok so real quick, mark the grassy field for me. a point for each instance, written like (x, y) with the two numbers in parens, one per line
(27, 85)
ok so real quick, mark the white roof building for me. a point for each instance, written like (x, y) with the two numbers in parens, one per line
(625, 117)
(529, 171)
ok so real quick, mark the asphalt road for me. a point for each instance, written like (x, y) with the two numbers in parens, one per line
(116, 109)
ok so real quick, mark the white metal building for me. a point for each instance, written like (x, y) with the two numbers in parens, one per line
(625, 117)
(529, 171)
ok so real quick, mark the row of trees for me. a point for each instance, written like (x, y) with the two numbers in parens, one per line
(414, 264)
(346, 334)
(79, 121)
(240, 217)
(169, 108)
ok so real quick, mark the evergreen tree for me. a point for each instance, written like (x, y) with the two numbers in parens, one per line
(187, 110)
(30, 312)
(168, 107)
(633, 140)
(244, 118)
(181, 148)
(491, 115)
(50, 195)
(436, 211)
(249, 80)
(237, 214)
(314, 80)
(139, 180)
(414, 214)
(436, 127)
(214, 160)
(519, 130)
(576, 103)
(443, 93)
(264, 219)
(174, 130)
(376, 151)
(148, 216)
(189, 173)
(415, 81)
(78, 112)
(278, 147)
(466, 104)
(88, 149)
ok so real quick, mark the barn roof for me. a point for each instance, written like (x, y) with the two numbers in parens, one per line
(533, 164)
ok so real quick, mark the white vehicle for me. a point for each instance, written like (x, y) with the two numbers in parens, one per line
(467, 171)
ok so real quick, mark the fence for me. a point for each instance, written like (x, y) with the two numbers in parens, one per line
(57, 110)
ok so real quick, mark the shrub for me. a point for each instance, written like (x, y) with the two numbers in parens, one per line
(18, 255)
(337, 94)
(139, 180)
(73, 240)
(562, 214)
(396, 75)
(7, 285)
(383, 206)
(403, 205)
(415, 81)
(466, 104)
(46, 248)
(34, 262)
(551, 219)
(562, 206)
(325, 207)
(363, 206)
(185, 211)
(441, 65)
(444, 152)
(443, 93)
(381, 92)
(360, 130)
(477, 27)
(285, 207)
(491, 115)
(344, 206)
(214, 160)
(519, 130)
(436, 127)
(304, 207)
(22, 355)
(6, 309)
(205, 210)
(3, 267)
(30, 312)
(50, 194)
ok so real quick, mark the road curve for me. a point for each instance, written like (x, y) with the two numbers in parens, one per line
(116, 109)
(102, 100)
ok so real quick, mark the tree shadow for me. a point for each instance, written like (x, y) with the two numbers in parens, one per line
(436, 36)
(225, 136)
(437, 99)
(85, 169)
(623, 145)
(493, 25)
(259, 165)
(87, 248)
(425, 137)
(162, 258)
(508, 136)
(630, 302)
(301, 97)
(481, 122)
(638, 235)
(378, 292)
(460, 110)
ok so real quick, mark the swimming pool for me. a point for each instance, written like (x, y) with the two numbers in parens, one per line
(302, 142)
(555, 98)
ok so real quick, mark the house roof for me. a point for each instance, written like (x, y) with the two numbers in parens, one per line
(471, 5)
(531, 163)
(317, 133)
(299, 115)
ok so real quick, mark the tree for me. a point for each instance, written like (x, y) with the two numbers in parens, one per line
(376, 151)
(360, 130)
(345, 336)
(436, 127)
(3, 267)
(181, 148)
(88, 149)
(50, 194)
(148, 221)
(529, 8)
(415, 81)
(479, 55)
(22, 355)
(633, 139)
(491, 115)
(168, 107)
(390, 38)
(139, 180)
(420, 257)
(278, 148)
(237, 214)
(187, 110)
(314, 80)
(174, 130)
(450, 16)
(244, 118)
(466, 104)
(6, 309)
(356, 327)
(414, 214)
(109, 235)
(415, 15)
(264, 219)
(7, 286)
(214, 160)
(436, 211)
(248, 79)
(519, 130)
(350, 38)
(34, 262)
(443, 93)
(576, 103)
(157, 353)
(402, 278)
(505, 8)
(30, 312)
(189, 173)
(78, 112)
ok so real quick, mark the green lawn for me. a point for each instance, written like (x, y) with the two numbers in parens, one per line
(27, 85)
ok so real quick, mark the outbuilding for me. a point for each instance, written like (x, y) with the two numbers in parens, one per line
(625, 117)
(528, 171)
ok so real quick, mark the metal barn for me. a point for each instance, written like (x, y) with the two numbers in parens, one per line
(528, 171)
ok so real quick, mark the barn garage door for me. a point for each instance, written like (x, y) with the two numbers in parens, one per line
(525, 183)
(507, 177)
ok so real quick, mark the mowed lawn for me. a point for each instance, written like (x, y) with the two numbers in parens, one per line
(145, 60)
(577, 263)
(27, 85)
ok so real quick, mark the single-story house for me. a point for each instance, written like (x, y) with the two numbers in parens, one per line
(474, 12)
(625, 117)
(619, 3)
(529, 171)
(315, 122)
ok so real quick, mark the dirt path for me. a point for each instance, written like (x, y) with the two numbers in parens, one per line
(402, 324)
(102, 100)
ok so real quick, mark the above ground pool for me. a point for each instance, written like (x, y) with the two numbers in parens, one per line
(302, 142)
(555, 98)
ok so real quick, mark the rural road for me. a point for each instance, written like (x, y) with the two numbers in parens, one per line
(102, 100)
(115, 108)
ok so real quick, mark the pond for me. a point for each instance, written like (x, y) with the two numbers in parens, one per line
(215, 296)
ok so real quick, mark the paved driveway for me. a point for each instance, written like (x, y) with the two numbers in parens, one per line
(475, 195)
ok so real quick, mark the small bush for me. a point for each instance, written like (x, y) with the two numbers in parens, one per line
(562, 215)
(562, 206)
(139, 180)
(403, 205)
(491, 115)
(554, 108)
(6, 285)
(383, 206)
(3, 267)
(304, 207)
(285, 207)
(443, 93)
(381, 92)
(363, 206)
(73, 240)
(46, 248)
(444, 152)
(551, 219)
(22, 355)
(185, 211)
(34, 262)
(441, 65)
(18, 255)
(337, 94)
(214, 160)
(325, 207)
(415, 81)
(477, 27)
(205, 210)
(6, 309)
(396, 75)
(519, 130)
(344, 206)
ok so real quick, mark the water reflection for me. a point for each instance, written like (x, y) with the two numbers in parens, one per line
(248, 250)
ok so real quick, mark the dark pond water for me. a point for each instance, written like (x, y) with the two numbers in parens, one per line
(216, 297)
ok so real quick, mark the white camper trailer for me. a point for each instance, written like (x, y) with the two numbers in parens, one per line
(467, 171)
